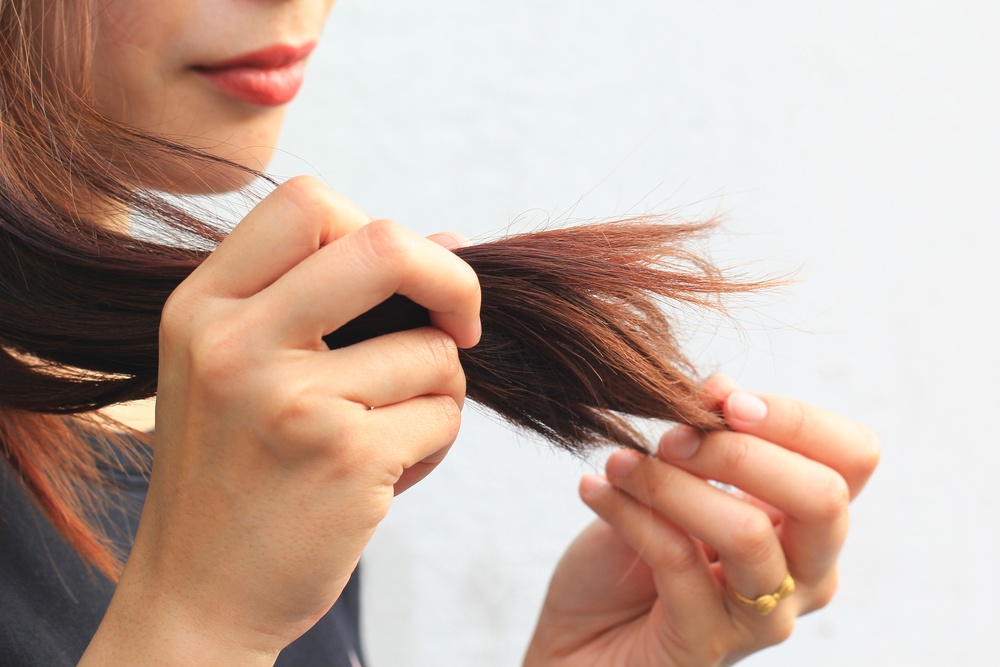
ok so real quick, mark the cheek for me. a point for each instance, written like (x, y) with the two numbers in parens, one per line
(142, 80)
(142, 77)
(130, 65)
(125, 20)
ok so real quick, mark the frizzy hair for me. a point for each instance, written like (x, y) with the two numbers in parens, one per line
(575, 335)
(575, 338)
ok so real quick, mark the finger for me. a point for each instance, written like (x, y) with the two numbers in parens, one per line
(717, 388)
(358, 271)
(744, 538)
(840, 443)
(450, 240)
(812, 497)
(292, 222)
(418, 430)
(307, 417)
(681, 572)
(394, 368)
(419, 470)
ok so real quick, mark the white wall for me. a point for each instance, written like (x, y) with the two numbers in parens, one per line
(857, 141)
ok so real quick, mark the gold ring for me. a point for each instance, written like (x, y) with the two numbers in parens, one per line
(765, 604)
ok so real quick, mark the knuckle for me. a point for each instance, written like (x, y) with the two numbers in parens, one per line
(217, 358)
(658, 480)
(796, 420)
(386, 241)
(676, 557)
(288, 419)
(752, 539)
(180, 313)
(831, 498)
(349, 450)
(319, 211)
(175, 315)
(652, 484)
(297, 432)
(307, 193)
(450, 418)
(442, 353)
(736, 452)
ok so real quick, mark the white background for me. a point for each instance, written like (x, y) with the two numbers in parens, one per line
(853, 142)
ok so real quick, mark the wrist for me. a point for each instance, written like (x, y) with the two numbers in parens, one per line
(144, 626)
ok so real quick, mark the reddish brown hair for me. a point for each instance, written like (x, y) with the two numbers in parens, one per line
(575, 339)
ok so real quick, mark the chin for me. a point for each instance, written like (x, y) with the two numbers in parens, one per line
(197, 177)
(206, 179)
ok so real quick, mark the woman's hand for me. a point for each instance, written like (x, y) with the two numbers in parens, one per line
(652, 582)
(275, 457)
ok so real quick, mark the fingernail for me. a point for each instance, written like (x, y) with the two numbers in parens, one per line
(623, 462)
(746, 407)
(591, 484)
(458, 241)
(680, 443)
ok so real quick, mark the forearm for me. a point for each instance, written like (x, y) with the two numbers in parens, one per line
(143, 628)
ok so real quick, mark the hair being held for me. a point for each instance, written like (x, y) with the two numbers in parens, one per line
(575, 341)
(576, 335)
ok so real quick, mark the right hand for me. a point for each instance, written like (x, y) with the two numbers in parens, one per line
(275, 457)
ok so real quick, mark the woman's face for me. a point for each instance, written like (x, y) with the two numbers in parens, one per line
(215, 74)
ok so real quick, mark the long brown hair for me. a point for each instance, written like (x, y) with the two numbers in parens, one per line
(576, 332)
(575, 336)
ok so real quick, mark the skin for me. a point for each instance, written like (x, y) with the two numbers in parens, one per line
(276, 458)
(269, 477)
(649, 582)
(142, 75)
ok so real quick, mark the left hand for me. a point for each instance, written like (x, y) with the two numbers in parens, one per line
(650, 583)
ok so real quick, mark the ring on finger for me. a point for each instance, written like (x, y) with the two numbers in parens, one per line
(765, 604)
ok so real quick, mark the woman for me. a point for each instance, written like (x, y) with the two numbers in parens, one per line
(276, 458)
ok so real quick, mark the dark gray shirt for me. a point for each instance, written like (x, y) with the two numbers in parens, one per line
(51, 603)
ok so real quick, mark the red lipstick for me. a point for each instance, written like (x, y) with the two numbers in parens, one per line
(268, 77)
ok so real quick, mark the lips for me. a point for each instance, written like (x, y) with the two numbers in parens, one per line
(268, 77)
